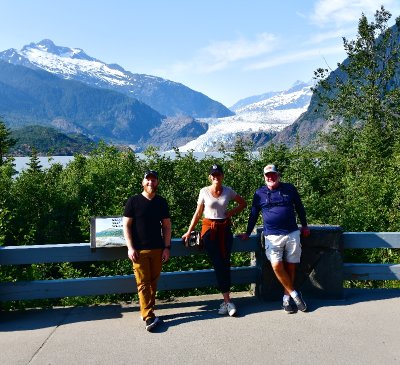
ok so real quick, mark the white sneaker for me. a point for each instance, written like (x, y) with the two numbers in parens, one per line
(223, 309)
(231, 309)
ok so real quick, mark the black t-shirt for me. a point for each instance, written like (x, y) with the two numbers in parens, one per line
(147, 216)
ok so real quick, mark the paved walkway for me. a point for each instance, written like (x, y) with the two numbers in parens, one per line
(363, 328)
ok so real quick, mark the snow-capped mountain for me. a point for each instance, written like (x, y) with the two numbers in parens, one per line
(70, 63)
(167, 97)
(258, 117)
(269, 115)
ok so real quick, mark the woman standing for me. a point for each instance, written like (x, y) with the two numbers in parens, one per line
(216, 230)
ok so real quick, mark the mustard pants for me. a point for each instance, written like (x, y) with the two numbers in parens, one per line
(147, 270)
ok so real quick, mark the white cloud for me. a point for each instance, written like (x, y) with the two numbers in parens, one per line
(339, 13)
(296, 57)
(340, 19)
(220, 55)
(331, 35)
(240, 48)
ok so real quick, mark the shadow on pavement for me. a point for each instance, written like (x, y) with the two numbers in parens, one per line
(32, 319)
(189, 310)
(208, 309)
(352, 296)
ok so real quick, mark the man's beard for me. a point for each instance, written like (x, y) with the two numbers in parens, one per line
(150, 189)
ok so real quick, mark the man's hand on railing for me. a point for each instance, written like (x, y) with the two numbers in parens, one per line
(243, 236)
(305, 231)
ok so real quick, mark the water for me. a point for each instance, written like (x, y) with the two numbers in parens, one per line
(21, 163)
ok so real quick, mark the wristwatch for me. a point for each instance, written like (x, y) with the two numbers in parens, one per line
(167, 247)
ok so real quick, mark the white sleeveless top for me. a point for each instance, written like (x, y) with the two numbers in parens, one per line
(215, 208)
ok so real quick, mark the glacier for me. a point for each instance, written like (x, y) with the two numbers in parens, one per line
(269, 115)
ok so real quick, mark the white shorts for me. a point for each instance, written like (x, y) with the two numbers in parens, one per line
(283, 247)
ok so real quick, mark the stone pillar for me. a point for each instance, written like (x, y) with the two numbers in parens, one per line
(320, 272)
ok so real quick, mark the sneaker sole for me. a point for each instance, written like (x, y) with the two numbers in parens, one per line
(232, 313)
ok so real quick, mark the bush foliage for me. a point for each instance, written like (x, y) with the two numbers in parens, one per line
(55, 204)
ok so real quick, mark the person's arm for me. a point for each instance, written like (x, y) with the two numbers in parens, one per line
(196, 217)
(166, 232)
(241, 205)
(133, 254)
(253, 216)
(301, 212)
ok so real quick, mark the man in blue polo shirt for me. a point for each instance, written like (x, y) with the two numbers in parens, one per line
(279, 202)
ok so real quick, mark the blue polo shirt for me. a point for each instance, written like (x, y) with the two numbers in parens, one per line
(279, 208)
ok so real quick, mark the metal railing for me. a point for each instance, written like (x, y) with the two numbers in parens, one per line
(369, 240)
(81, 252)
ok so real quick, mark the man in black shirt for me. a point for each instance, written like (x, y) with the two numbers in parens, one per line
(147, 231)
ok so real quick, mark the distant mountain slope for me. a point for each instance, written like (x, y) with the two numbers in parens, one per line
(47, 140)
(167, 97)
(308, 126)
(176, 131)
(258, 121)
(252, 99)
(37, 97)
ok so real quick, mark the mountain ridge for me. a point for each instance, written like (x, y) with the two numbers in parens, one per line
(43, 98)
(167, 97)
(258, 118)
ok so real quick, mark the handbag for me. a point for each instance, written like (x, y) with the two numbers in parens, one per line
(194, 240)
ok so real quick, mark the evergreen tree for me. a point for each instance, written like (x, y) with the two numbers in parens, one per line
(34, 162)
(362, 92)
(6, 142)
(361, 97)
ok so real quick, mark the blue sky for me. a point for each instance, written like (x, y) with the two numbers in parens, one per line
(226, 49)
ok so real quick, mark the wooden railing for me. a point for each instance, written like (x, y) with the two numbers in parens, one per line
(81, 252)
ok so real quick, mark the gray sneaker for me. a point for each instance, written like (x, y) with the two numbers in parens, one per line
(223, 309)
(151, 323)
(301, 305)
(288, 307)
(231, 308)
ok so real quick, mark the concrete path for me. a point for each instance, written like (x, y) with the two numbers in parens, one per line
(363, 328)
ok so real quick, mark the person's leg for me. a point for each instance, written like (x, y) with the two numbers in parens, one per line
(283, 276)
(284, 251)
(221, 265)
(274, 249)
(143, 276)
(226, 265)
(230, 306)
(155, 268)
(290, 269)
(292, 258)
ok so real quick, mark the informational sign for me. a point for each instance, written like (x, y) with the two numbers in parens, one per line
(106, 232)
